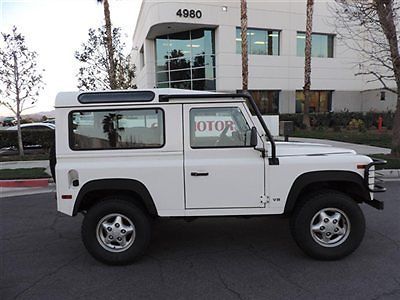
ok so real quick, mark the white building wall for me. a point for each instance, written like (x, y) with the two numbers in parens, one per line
(283, 72)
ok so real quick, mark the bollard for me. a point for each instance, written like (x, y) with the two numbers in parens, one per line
(380, 122)
(286, 128)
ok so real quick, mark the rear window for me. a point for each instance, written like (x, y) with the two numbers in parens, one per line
(116, 129)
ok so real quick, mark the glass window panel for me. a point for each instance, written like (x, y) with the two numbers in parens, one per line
(163, 85)
(210, 73)
(162, 76)
(204, 85)
(218, 128)
(180, 44)
(301, 42)
(202, 42)
(330, 45)
(210, 60)
(322, 44)
(238, 41)
(199, 73)
(267, 101)
(117, 129)
(181, 85)
(162, 66)
(180, 75)
(198, 61)
(257, 41)
(260, 41)
(319, 45)
(321, 101)
(162, 48)
(180, 63)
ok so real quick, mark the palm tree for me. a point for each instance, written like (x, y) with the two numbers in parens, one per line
(245, 56)
(307, 63)
(110, 48)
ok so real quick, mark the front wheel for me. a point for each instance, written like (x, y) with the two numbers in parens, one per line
(328, 225)
(115, 231)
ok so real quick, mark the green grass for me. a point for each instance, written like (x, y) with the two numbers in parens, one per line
(372, 138)
(25, 158)
(392, 162)
(32, 173)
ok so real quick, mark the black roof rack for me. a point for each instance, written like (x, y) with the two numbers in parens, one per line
(116, 97)
(273, 160)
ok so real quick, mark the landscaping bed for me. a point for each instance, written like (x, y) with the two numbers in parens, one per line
(368, 137)
(30, 173)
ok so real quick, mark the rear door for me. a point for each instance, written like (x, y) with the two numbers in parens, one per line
(221, 169)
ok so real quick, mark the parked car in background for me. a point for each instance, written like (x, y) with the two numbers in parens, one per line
(50, 120)
(35, 126)
(35, 138)
(9, 121)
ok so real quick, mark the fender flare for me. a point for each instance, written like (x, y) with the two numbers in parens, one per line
(321, 177)
(121, 184)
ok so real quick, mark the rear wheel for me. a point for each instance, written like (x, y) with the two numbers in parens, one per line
(328, 225)
(115, 231)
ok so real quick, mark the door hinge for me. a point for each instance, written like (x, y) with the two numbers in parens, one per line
(264, 200)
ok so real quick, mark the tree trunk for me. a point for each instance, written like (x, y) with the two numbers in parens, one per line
(245, 56)
(110, 49)
(18, 114)
(396, 128)
(307, 64)
(386, 14)
(20, 144)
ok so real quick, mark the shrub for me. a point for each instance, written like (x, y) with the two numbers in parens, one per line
(45, 138)
(339, 120)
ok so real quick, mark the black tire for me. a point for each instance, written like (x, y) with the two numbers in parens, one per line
(311, 241)
(53, 161)
(116, 205)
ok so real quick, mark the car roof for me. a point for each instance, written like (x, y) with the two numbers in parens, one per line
(123, 97)
(48, 125)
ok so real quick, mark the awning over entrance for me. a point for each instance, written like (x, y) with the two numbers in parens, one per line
(169, 28)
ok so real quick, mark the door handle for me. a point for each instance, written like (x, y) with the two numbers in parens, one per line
(196, 174)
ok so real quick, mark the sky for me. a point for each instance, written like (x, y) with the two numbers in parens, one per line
(56, 29)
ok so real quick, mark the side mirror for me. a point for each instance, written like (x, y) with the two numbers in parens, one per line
(253, 137)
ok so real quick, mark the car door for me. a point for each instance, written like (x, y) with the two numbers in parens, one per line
(221, 169)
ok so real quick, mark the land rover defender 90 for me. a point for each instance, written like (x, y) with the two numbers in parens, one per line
(124, 158)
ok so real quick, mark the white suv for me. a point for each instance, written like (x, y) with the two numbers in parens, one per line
(124, 158)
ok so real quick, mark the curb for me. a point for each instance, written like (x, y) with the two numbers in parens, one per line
(43, 182)
(390, 173)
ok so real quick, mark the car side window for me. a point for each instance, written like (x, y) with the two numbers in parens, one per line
(117, 129)
(219, 127)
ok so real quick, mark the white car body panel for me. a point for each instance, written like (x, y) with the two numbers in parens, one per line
(241, 182)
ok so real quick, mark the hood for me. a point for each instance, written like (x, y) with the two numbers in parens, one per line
(298, 148)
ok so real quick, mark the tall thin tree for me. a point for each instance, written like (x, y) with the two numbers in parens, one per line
(307, 63)
(109, 43)
(388, 18)
(245, 55)
(371, 29)
(20, 77)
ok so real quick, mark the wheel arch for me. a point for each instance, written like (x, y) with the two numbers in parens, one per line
(94, 190)
(348, 182)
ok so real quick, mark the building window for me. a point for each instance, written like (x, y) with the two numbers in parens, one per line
(267, 101)
(383, 96)
(116, 129)
(186, 60)
(321, 101)
(259, 41)
(321, 45)
(141, 54)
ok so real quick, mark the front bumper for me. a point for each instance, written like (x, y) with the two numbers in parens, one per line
(373, 182)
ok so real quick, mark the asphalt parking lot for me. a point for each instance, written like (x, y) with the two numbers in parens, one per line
(42, 257)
